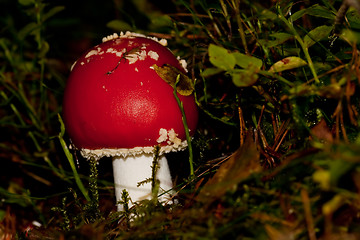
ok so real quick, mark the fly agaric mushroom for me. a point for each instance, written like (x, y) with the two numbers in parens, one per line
(117, 105)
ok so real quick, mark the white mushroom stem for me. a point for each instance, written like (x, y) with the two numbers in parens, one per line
(130, 170)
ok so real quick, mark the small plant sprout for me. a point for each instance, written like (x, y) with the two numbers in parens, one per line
(118, 104)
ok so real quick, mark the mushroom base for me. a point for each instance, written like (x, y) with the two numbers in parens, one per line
(131, 170)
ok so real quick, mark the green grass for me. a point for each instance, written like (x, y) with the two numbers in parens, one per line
(276, 153)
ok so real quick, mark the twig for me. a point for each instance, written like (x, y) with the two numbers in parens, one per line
(308, 217)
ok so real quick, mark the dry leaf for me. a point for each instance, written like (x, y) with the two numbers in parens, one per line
(322, 132)
(275, 234)
(169, 74)
(240, 165)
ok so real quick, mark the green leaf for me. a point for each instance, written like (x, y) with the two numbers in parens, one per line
(316, 35)
(119, 25)
(322, 177)
(52, 12)
(28, 29)
(221, 57)
(26, 2)
(350, 36)
(287, 64)
(330, 178)
(244, 78)
(246, 61)
(339, 168)
(44, 49)
(267, 15)
(158, 21)
(320, 11)
(295, 16)
(278, 38)
(211, 71)
(170, 73)
(353, 18)
(316, 10)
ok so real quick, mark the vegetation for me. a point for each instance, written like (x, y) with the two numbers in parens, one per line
(277, 151)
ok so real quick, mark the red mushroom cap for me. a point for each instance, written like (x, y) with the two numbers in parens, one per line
(114, 99)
